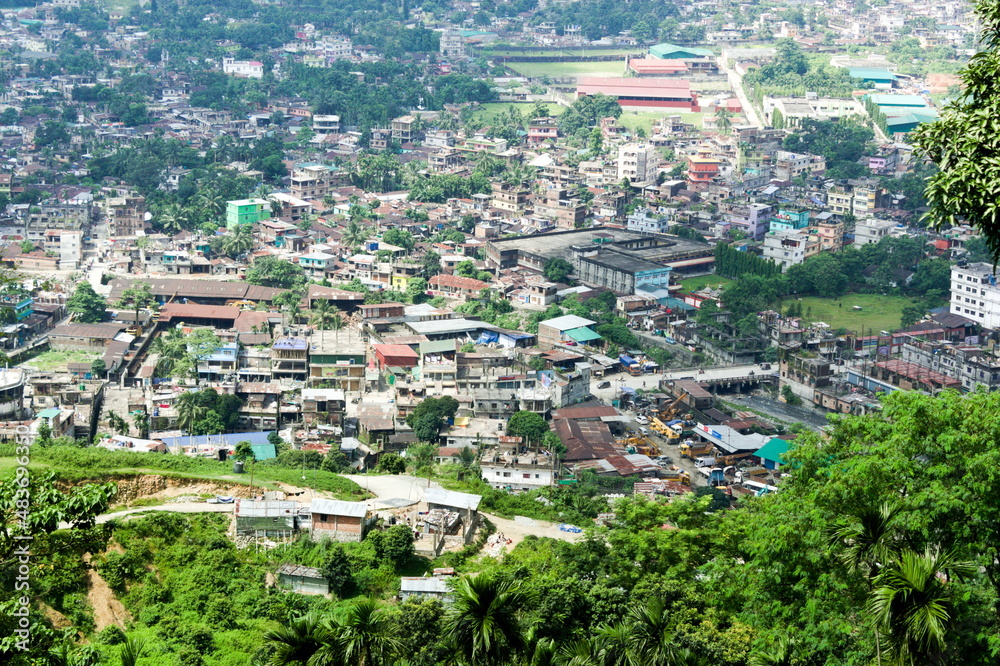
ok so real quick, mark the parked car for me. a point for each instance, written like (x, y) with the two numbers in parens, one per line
(220, 499)
(604, 385)
(670, 339)
(641, 420)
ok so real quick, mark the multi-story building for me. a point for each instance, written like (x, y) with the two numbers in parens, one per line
(789, 218)
(871, 231)
(246, 69)
(337, 359)
(67, 217)
(452, 44)
(702, 171)
(510, 199)
(68, 245)
(788, 166)
(566, 212)
(753, 219)
(638, 162)
(543, 129)
(975, 295)
(289, 359)
(247, 211)
(314, 181)
(326, 124)
(645, 222)
(787, 248)
(125, 216)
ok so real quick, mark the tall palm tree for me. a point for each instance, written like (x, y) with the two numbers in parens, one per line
(362, 636)
(868, 537)
(131, 650)
(782, 652)
(483, 622)
(912, 604)
(296, 643)
(189, 412)
(239, 241)
(173, 218)
(211, 203)
(324, 316)
(354, 234)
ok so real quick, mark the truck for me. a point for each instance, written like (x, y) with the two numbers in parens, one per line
(704, 461)
(664, 429)
(675, 474)
(691, 449)
(751, 474)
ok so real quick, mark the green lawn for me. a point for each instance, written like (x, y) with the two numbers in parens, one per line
(57, 360)
(565, 52)
(491, 110)
(696, 283)
(539, 69)
(877, 313)
(645, 119)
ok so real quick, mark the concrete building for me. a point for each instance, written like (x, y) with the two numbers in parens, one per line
(562, 329)
(244, 69)
(787, 248)
(247, 211)
(643, 221)
(974, 294)
(656, 93)
(452, 44)
(753, 219)
(338, 521)
(125, 216)
(871, 231)
(302, 579)
(638, 162)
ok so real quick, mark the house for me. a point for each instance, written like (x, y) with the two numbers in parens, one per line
(441, 502)
(771, 453)
(337, 520)
(84, 336)
(267, 518)
(246, 69)
(455, 286)
(301, 579)
(424, 587)
(566, 328)
(396, 356)
(246, 211)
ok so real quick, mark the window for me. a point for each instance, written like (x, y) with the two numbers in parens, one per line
(528, 476)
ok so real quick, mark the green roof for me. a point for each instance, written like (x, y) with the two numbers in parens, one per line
(772, 451)
(872, 74)
(582, 334)
(48, 413)
(666, 51)
(263, 451)
(898, 100)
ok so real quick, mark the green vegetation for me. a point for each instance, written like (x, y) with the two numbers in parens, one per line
(571, 69)
(644, 120)
(58, 360)
(702, 281)
(487, 113)
(878, 312)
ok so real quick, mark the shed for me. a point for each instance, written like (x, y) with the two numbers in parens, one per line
(338, 520)
(266, 518)
(424, 588)
(465, 504)
(771, 454)
(301, 579)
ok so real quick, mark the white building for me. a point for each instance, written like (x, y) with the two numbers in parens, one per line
(452, 43)
(244, 69)
(517, 477)
(645, 222)
(787, 248)
(975, 294)
(638, 162)
(323, 124)
(871, 231)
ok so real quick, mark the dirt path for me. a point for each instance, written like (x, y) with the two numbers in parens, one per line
(107, 608)
(520, 527)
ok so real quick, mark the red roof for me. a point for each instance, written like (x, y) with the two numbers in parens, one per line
(195, 311)
(619, 86)
(457, 282)
(656, 66)
(395, 350)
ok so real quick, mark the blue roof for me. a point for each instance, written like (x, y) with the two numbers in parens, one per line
(289, 343)
(228, 440)
(48, 413)
(872, 74)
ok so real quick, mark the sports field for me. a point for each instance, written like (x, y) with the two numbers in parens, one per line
(573, 69)
(877, 313)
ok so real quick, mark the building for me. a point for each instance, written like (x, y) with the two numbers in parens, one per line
(638, 162)
(645, 67)
(326, 124)
(424, 587)
(455, 286)
(786, 248)
(338, 521)
(289, 359)
(643, 221)
(656, 93)
(753, 219)
(564, 329)
(84, 336)
(266, 518)
(790, 218)
(543, 129)
(125, 216)
(974, 294)
(247, 211)
(702, 170)
(452, 44)
(244, 69)
(302, 579)
(871, 231)
(674, 52)
(789, 166)
(515, 476)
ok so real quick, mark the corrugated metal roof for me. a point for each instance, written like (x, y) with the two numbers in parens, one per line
(422, 585)
(634, 87)
(451, 498)
(339, 508)
(265, 509)
(300, 571)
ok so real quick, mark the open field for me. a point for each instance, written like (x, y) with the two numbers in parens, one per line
(645, 119)
(877, 312)
(578, 69)
(491, 110)
(702, 281)
(491, 53)
(56, 360)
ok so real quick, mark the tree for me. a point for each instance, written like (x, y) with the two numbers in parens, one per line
(391, 463)
(397, 544)
(401, 237)
(337, 571)
(141, 422)
(295, 642)
(189, 412)
(913, 604)
(324, 316)
(136, 297)
(531, 427)
(239, 241)
(964, 145)
(421, 457)
(275, 272)
(483, 620)
(200, 344)
(362, 636)
(557, 269)
(431, 265)
(98, 368)
(789, 396)
(86, 305)
(354, 234)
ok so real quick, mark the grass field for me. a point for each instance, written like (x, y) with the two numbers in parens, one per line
(564, 52)
(877, 313)
(55, 360)
(645, 119)
(490, 110)
(702, 281)
(577, 69)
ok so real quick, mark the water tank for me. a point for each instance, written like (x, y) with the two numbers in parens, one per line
(237, 467)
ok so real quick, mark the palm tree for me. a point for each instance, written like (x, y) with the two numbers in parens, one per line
(131, 650)
(913, 606)
(868, 537)
(172, 218)
(483, 623)
(650, 637)
(239, 241)
(189, 412)
(211, 203)
(354, 234)
(783, 652)
(362, 636)
(324, 316)
(296, 643)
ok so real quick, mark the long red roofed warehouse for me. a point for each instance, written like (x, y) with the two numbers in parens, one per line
(652, 92)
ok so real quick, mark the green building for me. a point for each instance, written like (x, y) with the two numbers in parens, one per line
(247, 211)
(674, 52)
(881, 77)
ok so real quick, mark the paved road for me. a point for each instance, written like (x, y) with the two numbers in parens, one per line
(737, 84)
(177, 507)
(651, 382)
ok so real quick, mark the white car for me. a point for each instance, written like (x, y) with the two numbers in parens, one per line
(641, 420)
